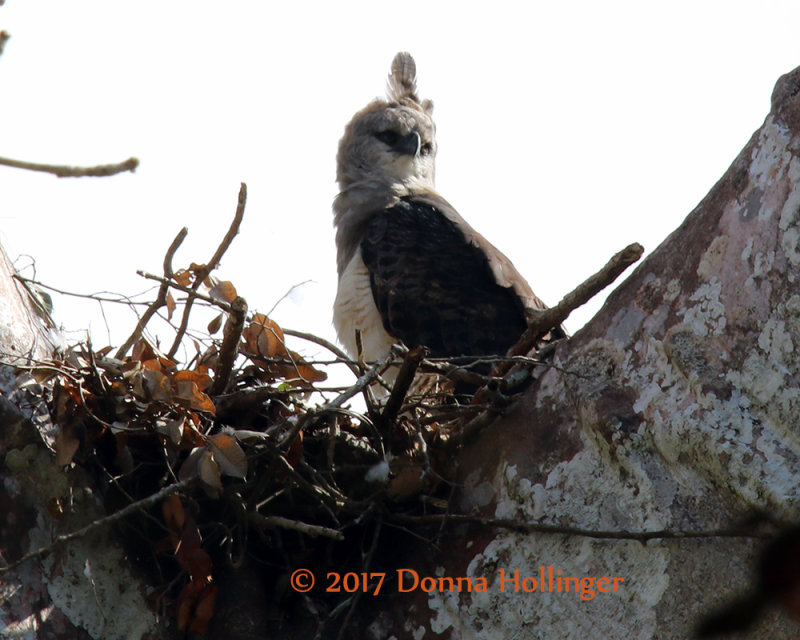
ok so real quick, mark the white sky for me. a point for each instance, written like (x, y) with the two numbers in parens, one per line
(566, 131)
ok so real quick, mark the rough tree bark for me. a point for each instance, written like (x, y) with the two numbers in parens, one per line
(673, 409)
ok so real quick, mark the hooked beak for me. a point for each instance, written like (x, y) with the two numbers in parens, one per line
(408, 145)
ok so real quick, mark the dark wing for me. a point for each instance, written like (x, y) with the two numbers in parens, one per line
(433, 285)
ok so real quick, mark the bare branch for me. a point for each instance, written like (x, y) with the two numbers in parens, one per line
(212, 264)
(160, 300)
(536, 527)
(362, 383)
(242, 400)
(144, 503)
(545, 320)
(312, 530)
(62, 171)
(121, 299)
(352, 365)
(189, 291)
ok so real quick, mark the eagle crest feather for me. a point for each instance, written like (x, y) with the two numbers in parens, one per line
(403, 79)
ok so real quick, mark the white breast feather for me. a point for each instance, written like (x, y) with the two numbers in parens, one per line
(354, 309)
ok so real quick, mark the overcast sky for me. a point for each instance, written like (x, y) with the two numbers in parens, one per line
(566, 131)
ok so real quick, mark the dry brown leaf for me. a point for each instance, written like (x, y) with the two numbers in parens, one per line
(173, 429)
(201, 463)
(189, 468)
(170, 305)
(157, 385)
(209, 472)
(295, 452)
(229, 455)
(66, 398)
(174, 514)
(407, 482)
(210, 357)
(186, 600)
(183, 277)
(305, 371)
(295, 372)
(66, 444)
(136, 380)
(223, 291)
(188, 392)
(204, 609)
(215, 324)
(142, 350)
(198, 376)
(199, 565)
(154, 364)
(118, 388)
(264, 337)
(191, 430)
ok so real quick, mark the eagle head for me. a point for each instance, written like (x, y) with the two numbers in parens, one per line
(389, 146)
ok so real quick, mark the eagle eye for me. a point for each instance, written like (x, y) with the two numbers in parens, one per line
(389, 137)
(425, 149)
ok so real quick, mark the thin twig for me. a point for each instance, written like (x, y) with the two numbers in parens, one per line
(161, 298)
(351, 364)
(536, 527)
(312, 530)
(212, 264)
(4, 37)
(189, 291)
(286, 295)
(456, 373)
(144, 503)
(62, 171)
(362, 383)
(121, 299)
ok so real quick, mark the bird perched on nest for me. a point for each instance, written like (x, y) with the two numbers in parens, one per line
(411, 269)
